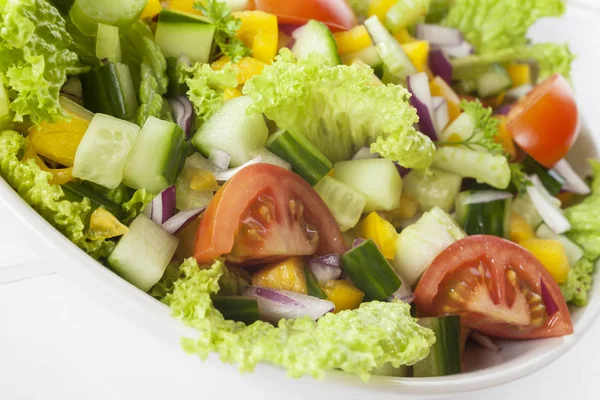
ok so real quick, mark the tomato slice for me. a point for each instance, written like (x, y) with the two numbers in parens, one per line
(263, 214)
(495, 286)
(546, 121)
(336, 14)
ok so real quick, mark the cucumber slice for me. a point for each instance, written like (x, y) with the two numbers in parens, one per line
(418, 244)
(315, 37)
(237, 308)
(444, 356)
(397, 64)
(369, 56)
(461, 128)
(180, 33)
(378, 178)
(87, 14)
(523, 206)
(574, 252)
(312, 285)
(493, 82)
(73, 108)
(490, 218)
(143, 253)
(435, 188)
(186, 197)
(230, 129)
(370, 271)
(109, 89)
(307, 161)
(345, 203)
(157, 156)
(104, 149)
(108, 43)
(551, 180)
(6, 114)
(485, 167)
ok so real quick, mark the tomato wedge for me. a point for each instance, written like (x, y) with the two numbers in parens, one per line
(266, 213)
(336, 14)
(496, 287)
(546, 121)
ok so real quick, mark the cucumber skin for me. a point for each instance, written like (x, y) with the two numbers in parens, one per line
(444, 356)
(76, 191)
(237, 308)
(331, 53)
(312, 285)
(370, 271)
(482, 218)
(102, 93)
(551, 180)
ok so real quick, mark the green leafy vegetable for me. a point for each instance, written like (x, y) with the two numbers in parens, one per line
(338, 110)
(32, 185)
(226, 27)
(136, 204)
(207, 87)
(518, 178)
(151, 99)
(374, 334)
(492, 25)
(579, 282)
(35, 58)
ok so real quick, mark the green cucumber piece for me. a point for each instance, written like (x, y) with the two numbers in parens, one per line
(433, 188)
(77, 191)
(230, 129)
(345, 203)
(551, 180)
(378, 178)
(369, 56)
(6, 114)
(493, 82)
(237, 308)
(574, 252)
(87, 14)
(180, 33)
(175, 88)
(406, 13)
(389, 370)
(370, 271)
(109, 89)
(462, 128)
(315, 37)
(312, 285)
(444, 356)
(490, 218)
(108, 43)
(75, 109)
(483, 166)
(157, 156)
(523, 206)
(307, 161)
(104, 149)
(186, 197)
(143, 253)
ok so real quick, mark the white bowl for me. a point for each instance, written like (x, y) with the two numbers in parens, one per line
(484, 369)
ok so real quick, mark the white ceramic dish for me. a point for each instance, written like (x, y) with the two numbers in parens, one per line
(516, 360)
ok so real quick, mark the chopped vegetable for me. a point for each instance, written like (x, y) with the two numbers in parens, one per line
(259, 32)
(344, 295)
(579, 282)
(353, 40)
(285, 275)
(520, 230)
(552, 255)
(381, 232)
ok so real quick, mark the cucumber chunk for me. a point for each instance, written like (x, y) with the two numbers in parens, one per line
(307, 161)
(104, 149)
(418, 244)
(180, 33)
(312, 285)
(444, 356)
(143, 253)
(109, 89)
(186, 197)
(493, 82)
(523, 206)
(435, 188)
(369, 56)
(378, 178)
(75, 109)
(461, 128)
(489, 218)
(315, 37)
(108, 43)
(345, 203)
(157, 156)
(87, 14)
(370, 271)
(230, 129)
(237, 308)
(551, 180)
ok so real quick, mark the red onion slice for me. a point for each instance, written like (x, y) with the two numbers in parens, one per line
(487, 196)
(485, 342)
(573, 182)
(223, 176)
(440, 65)
(439, 35)
(418, 85)
(357, 242)
(549, 303)
(162, 206)
(440, 111)
(182, 219)
(183, 113)
(459, 51)
(326, 268)
(504, 110)
(220, 158)
(274, 305)
(545, 205)
(403, 293)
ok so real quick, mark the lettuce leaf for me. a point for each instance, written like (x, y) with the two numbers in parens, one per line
(32, 185)
(136, 204)
(35, 58)
(579, 282)
(375, 334)
(491, 25)
(338, 110)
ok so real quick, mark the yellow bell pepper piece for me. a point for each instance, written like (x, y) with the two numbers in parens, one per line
(260, 32)
(60, 176)
(552, 254)
(440, 88)
(343, 295)
(284, 275)
(104, 225)
(203, 181)
(231, 93)
(505, 138)
(246, 68)
(404, 37)
(355, 39)
(520, 74)
(153, 8)
(380, 8)
(418, 53)
(184, 5)
(520, 230)
(381, 231)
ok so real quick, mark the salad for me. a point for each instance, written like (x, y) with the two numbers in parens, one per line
(359, 186)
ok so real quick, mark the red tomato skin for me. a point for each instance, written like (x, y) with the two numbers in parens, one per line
(336, 14)
(219, 225)
(545, 123)
(498, 252)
